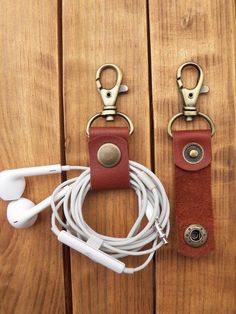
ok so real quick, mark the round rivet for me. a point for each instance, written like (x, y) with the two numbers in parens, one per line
(193, 153)
(109, 155)
(195, 235)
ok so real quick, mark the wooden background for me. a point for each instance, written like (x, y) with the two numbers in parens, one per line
(50, 51)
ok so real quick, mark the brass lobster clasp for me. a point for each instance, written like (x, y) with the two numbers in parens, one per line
(190, 97)
(109, 97)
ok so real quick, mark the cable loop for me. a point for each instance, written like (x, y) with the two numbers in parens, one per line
(153, 204)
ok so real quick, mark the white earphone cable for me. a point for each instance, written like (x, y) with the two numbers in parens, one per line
(152, 203)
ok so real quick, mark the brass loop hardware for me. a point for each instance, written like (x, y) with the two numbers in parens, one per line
(181, 114)
(109, 97)
(190, 97)
(121, 114)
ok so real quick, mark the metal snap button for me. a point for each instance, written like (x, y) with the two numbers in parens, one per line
(193, 153)
(195, 235)
(109, 155)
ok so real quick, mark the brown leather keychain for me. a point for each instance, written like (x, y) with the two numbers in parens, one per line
(110, 168)
(108, 146)
(192, 158)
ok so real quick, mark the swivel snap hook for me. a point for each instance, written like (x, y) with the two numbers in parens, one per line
(109, 97)
(190, 96)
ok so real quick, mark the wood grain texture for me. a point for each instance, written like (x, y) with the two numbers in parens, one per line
(94, 33)
(97, 32)
(203, 32)
(31, 271)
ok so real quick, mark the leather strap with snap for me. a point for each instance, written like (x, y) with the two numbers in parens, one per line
(193, 198)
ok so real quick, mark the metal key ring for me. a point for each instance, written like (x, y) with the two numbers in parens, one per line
(121, 114)
(181, 114)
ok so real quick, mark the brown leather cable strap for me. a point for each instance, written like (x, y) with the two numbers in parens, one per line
(193, 199)
(114, 177)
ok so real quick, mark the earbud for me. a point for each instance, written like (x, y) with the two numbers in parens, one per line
(12, 182)
(18, 209)
(23, 213)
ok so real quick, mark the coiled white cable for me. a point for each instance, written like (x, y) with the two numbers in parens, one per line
(152, 203)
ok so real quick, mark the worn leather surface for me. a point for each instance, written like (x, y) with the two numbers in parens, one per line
(117, 177)
(193, 198)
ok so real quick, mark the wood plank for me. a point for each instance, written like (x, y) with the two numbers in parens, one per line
(205, 32)
(31, 260)
(95, 33)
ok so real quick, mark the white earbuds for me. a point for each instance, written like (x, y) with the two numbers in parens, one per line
(12, 182)
(23, 213)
